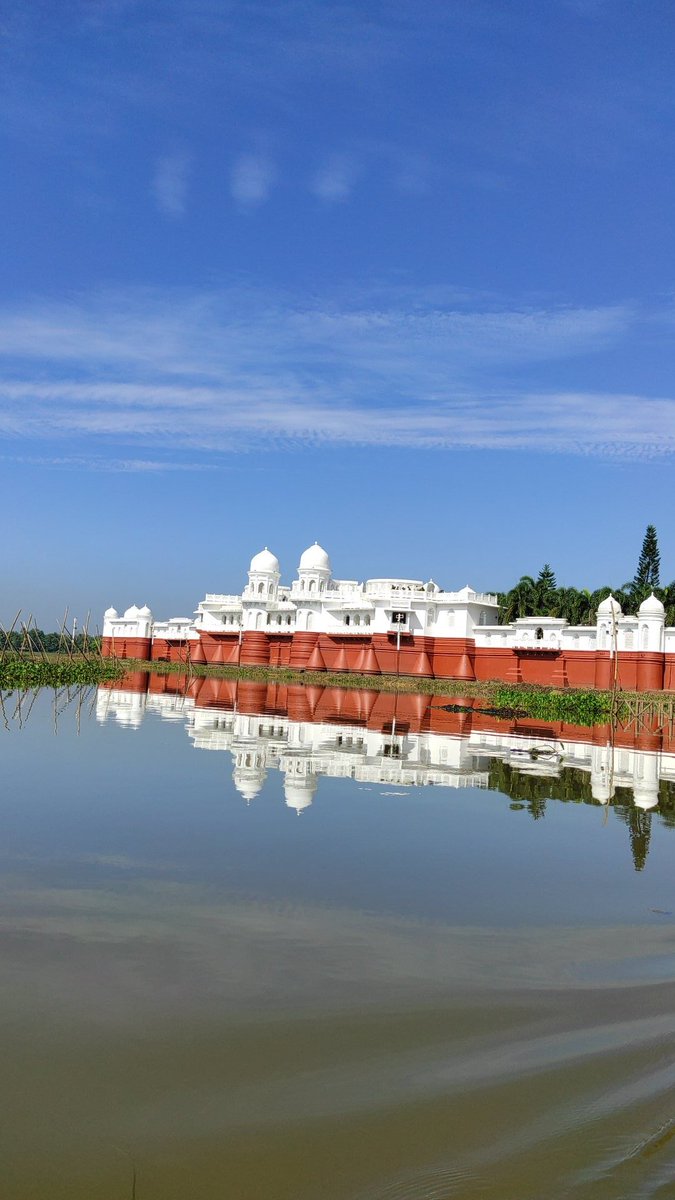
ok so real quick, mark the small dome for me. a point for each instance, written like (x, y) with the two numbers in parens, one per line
(110, 613)
(132, 612)
(609, 606)
(299, 790)
(298, 797)
(264, 563)
(249, 782)
(651, 607)
(314, 558)
(646, 794)
(602, 791)
(144, 611)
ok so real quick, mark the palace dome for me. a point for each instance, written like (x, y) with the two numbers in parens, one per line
(314, 558)
(264, 562)
(609, 606)
(249, 781)
(132, 612)
(110, 613)
(144, 611)
(298, 795)
(651, 607)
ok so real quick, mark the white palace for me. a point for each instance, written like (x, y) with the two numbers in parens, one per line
(397, 626)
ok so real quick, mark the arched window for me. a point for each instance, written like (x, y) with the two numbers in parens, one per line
(482, 620)
(644, 637)
(269, 618)
(322, 585)
(288, 620)
(312, 585)
(310, 620)
(302, 585)
(602, 638)
(539, 634)
(347, 619)
(261, 588)
(357, 619)
(366, 619)
(259, 620)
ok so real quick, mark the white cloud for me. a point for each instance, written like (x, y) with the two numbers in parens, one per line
(124, 375)
(252, 179)
(335, 179)
(170, 185)
(93, 463)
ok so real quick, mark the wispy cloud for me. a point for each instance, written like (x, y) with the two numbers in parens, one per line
(170, 185)
(335, 179)
(100, 464)
(226, 373)
(251, 180)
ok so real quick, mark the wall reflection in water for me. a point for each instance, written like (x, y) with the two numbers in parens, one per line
(401, 740)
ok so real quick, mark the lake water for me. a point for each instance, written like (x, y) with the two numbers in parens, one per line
(267, 943)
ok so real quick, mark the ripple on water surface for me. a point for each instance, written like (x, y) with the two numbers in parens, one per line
(407, 994)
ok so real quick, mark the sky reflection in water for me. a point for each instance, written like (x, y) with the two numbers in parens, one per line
(409, 990)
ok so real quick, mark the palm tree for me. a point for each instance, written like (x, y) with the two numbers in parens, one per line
(667, 597)
(525, 596)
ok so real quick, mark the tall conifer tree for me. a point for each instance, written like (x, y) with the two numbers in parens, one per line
(649, 566)
(546, 579)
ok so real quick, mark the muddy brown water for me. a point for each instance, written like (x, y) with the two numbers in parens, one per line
(352, 986)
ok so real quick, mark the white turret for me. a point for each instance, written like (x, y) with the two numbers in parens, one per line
(652, 620)
(109, 615)
(646, 773)
(249, 774)
(137, 622)
(314, 570)
(608, 614)
(299, 793)
(263, 576)
(602, 773)
(609, 607)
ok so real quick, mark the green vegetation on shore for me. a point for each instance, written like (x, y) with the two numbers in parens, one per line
(580, 707)
(21, 671)
(286, 675)
(572, 706)
(576, 707)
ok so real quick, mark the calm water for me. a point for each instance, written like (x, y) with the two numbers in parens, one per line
(274, 944)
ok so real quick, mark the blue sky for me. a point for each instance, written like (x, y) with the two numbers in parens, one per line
(396, 277)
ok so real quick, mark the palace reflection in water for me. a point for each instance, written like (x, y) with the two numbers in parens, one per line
(402, 740)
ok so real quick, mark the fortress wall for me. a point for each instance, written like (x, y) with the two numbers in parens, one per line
(421, 657)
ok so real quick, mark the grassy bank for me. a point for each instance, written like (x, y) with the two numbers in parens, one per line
(376, 683)
(574, 707)
(21, 671)
(571, 706)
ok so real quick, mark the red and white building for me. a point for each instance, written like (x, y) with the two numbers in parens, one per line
(398, 626)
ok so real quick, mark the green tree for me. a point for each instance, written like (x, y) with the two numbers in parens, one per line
(545, 589)
(546, 578)
(640, 827)
(667, 596)
(649, 565)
